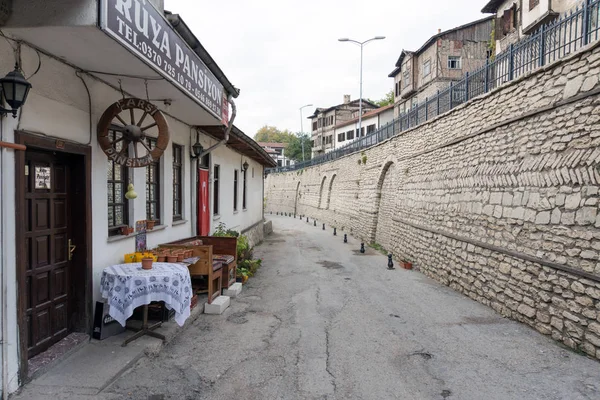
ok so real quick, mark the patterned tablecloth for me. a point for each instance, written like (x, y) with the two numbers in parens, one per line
(127, 286)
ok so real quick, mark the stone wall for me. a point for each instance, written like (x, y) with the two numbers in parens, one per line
(497, 198)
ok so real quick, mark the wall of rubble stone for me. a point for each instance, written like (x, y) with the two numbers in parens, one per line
(497, 199)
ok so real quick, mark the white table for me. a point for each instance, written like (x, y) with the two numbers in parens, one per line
(128, 286)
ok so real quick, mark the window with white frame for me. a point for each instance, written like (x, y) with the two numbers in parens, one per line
(454, 62)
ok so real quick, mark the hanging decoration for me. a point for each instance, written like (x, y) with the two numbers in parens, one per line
(131, 194)
(146, 135)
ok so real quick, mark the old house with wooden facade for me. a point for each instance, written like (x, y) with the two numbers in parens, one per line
(444, 58)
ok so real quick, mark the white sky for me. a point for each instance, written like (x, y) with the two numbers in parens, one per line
(284, 54)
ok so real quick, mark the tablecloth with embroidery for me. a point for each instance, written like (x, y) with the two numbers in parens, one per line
(128, 286)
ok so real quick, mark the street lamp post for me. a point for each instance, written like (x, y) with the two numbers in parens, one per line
(361, 44)
(302, 129)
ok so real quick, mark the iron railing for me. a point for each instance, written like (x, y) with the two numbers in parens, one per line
(551, 42)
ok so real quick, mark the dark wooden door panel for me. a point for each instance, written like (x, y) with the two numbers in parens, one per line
(47, 267)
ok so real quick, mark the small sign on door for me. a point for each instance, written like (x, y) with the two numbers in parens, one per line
(42, 177)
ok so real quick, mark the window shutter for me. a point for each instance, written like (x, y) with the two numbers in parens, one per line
(507, 21)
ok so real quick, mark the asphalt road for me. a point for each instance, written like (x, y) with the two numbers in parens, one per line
(322, 321)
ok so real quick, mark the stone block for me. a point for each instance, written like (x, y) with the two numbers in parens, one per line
(586, 216)
(542, 218)
(234, 290)
(577, 287)
(218, 305)
(572, 201)
(555, 217)
(526, 310)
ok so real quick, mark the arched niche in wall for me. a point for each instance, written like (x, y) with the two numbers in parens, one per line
(330, 190)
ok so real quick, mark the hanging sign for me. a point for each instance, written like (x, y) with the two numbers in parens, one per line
(143, 30)
(129, 126)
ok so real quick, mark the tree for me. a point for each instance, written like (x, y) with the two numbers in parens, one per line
(294, 148)
(386, 100)
(273, 135)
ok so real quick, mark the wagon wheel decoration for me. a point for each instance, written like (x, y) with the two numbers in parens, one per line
(147, 130)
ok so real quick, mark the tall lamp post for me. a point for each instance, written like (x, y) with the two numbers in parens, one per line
(302, 129)
(361, 44)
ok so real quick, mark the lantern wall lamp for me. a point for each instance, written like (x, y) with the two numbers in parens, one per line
(14, 88)
(197, 147)
(245, 166)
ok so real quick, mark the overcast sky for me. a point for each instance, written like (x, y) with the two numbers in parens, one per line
(283, 54)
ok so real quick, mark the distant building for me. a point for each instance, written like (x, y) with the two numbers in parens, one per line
(516, 19)
(277, 152)
(445, 57)
(325, 119)
(347, 132)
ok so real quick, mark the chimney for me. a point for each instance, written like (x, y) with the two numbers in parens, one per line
(439, 30)
(346, 98)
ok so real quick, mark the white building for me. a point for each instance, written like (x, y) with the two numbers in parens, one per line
(347, 132)
(277, 152)
(62, 199)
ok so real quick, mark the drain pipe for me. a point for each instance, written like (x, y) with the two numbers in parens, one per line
(3, 276)
(227, 131)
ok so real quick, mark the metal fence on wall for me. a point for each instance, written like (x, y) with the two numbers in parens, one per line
(549, 43)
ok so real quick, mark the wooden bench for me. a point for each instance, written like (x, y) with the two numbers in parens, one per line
(203, 267)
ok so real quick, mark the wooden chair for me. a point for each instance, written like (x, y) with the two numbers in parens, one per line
(224, 246)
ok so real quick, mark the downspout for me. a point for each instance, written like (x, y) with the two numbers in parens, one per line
(3, 277)
(227, 131)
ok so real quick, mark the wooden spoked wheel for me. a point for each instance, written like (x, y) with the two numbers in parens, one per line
(133, 127)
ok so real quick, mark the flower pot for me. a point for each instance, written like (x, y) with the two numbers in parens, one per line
(171, 258)
(407, 264)
(244, 278)
(190, 253)
(126, 230)
(150, 224)
(180, 257)
(147, 263)
(162, 258)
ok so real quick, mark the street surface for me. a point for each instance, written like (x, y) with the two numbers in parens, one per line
(322, 321)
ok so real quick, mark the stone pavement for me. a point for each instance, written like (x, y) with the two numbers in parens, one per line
(322, 321)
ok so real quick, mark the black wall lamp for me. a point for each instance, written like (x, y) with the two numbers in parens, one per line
(245, 166)
(197, 148)
(15, 89)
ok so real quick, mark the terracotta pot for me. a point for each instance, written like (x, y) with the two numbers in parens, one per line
(150, 224)
(147, 263)
(171, 258)
(190, 253)
(180, 257)
(162, 258)
(407, 264)
(126, 230)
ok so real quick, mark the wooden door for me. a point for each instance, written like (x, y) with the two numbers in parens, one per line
(48, 222)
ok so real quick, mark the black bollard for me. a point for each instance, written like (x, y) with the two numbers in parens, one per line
(390, 262)
(315, 222)
(334, 232)
(306, 219)
(345, 238)
(362, 248)
(323, 226)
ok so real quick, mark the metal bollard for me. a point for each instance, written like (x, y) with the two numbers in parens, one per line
(390, 262)
(362, 248)
(315, 222)
(345, 238)
(334, 232)
(323, 226)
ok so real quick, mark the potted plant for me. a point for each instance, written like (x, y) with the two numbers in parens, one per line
(147, 262)
(171, 258)
(150, 224)
(406, 264)
(126, 230)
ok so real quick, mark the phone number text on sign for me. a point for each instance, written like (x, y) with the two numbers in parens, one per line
(141, 28)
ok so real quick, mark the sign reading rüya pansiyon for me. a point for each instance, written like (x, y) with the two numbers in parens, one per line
(142, 29)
